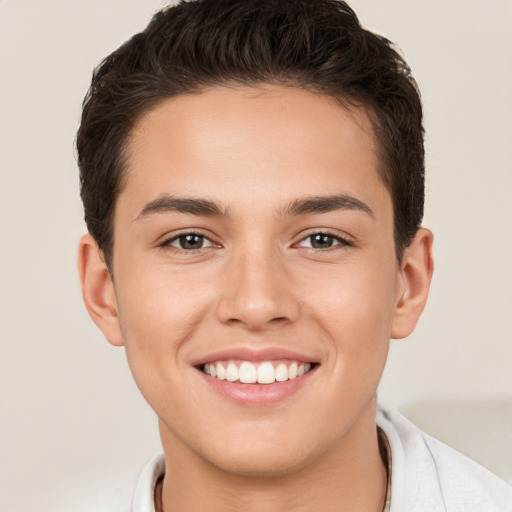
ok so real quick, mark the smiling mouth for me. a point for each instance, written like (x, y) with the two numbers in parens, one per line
(265, 372)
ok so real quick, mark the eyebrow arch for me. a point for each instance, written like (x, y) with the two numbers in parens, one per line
(166, 203)
(325, 204)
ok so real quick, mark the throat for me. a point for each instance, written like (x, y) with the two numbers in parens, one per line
(278, 493)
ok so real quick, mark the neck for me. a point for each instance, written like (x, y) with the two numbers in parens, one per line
(349, 476)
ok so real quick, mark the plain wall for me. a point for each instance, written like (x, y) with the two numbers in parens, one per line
(75, 431)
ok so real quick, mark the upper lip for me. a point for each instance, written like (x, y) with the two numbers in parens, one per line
(254, 355)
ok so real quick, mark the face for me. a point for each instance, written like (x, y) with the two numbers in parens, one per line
(254, 241)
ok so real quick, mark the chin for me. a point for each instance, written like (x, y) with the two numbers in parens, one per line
(262, 457)
(266, 466)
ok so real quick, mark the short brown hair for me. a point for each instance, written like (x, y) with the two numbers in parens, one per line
(317, 45)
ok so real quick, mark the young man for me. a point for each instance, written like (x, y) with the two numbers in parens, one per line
(252, 175)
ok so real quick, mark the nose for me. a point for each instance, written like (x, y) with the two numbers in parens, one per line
(257, 293)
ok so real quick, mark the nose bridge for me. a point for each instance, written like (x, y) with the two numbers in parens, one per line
(256, 292)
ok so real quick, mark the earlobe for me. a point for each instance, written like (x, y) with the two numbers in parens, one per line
(98, 289)
(415, 275)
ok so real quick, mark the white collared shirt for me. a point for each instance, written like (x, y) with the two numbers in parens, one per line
(426, 475)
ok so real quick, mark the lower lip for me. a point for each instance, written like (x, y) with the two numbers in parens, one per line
(257, 395)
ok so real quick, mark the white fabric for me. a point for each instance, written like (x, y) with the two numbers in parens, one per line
(144, 498)
(429, 476)
(426, 475)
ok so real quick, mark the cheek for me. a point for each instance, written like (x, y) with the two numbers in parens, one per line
(158, 313)
(355, 308)
(160, 305)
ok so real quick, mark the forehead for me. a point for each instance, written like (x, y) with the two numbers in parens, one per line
(248, 141)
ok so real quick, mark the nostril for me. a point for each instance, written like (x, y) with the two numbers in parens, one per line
(274, 321)
(279, 319)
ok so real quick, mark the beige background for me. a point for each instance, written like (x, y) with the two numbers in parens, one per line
(74, 430)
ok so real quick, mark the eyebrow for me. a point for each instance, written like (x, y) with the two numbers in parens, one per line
(305, 206)
(166, 203)
(325, 204)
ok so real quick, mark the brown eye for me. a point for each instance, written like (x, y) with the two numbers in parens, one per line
(323, 241)
(189, 242)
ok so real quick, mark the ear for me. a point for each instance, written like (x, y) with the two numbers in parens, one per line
(98, 289)
(414, 283)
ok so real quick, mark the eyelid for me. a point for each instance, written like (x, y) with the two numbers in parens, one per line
(169, 238)
(343, 239)
(206, 240)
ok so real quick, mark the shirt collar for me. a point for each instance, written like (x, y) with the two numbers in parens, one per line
(144, 498)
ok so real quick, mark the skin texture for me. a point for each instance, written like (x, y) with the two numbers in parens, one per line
(257, 283)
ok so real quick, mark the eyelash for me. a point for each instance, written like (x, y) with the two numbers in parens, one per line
(167, 244)
(342, 241)
(337, 239)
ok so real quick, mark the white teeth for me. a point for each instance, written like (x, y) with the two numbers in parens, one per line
(292, 371)
(266, 373)
(250, 373)
(281, 372)
(247, 373)
(232, 372)
(221, 372)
